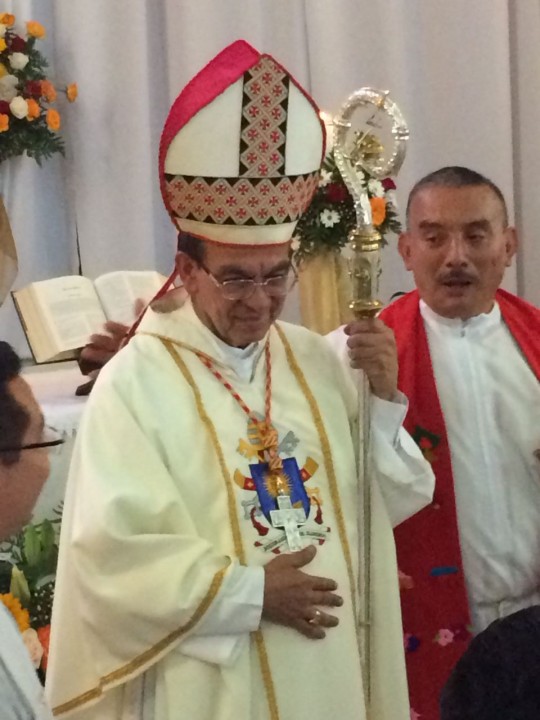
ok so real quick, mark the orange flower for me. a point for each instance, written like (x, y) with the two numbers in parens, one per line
(53, 120)
(35, 29)
(22, 616)
(7, 19)
(48, 90)
(44, 634)
(378, 210)
(4, 122)
(33, 109)
(72, 91)
(3, 45)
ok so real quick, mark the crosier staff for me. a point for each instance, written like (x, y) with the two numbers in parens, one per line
(357, 149)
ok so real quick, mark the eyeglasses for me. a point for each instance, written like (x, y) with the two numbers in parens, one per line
(243, 288)
(50, 438)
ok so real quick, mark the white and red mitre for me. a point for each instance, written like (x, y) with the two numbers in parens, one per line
(241, 151)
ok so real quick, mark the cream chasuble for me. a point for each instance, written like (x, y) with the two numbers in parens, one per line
(159, 590)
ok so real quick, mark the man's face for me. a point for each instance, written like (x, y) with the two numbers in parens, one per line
(457, 245)
(21, 482)
(236, 322)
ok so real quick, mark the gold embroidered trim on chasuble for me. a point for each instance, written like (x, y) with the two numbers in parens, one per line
(233, 517)
(328, 462)
(147, 655)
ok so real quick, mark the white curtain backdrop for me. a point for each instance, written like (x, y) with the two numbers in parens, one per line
(465, 74)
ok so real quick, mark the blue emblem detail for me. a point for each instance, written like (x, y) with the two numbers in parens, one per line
(297, 490)
(448, 570)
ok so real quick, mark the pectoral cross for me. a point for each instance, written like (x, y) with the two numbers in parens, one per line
(289, 518)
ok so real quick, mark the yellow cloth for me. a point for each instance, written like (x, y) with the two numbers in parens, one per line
(324, 292)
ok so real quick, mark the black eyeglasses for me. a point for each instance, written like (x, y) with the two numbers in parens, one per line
(51, 438)
(243, 288)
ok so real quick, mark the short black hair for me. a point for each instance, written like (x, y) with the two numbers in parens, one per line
(456, 176)
(14, 419)
(498, 677)
(192, 246)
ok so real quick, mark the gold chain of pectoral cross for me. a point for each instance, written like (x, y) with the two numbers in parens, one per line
(267, 433)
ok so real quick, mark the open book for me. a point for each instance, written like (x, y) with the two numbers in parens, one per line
(59, 315)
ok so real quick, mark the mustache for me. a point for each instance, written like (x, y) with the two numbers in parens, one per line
(459, 276)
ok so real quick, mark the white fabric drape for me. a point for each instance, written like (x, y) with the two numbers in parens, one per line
(464, 74)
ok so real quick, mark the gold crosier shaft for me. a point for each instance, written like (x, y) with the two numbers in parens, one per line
(354, 155)
(364, 269)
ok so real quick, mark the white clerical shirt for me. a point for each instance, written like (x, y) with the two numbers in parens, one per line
(490, 401)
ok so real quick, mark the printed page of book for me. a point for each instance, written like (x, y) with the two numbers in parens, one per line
(118, 292)
(71, 308)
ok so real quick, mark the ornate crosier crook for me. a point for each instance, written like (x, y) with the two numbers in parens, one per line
(358, 149)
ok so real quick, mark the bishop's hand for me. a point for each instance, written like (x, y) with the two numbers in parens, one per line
(372, 348)
(294, 598)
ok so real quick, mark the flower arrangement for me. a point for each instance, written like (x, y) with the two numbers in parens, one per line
(331, 216)
(27, 575)
(28, 121)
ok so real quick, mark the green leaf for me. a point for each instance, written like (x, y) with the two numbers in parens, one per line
(32, 545)
(48, 537)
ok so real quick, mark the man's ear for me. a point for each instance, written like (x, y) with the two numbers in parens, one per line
(187, 268)
(511, 244)
(405, 249)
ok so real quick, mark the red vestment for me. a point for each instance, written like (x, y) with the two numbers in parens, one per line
(436, 620)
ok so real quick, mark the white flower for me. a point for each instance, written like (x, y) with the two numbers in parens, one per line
(361, 173)
(391, 198)
(8, 87)
(18, 61)
(325, 178)
(3, 29)
(329, 218)
(376, 188)
(33, 645)
(19, 107)
(295, 244)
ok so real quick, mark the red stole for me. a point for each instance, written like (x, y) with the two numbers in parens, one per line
(433, 595)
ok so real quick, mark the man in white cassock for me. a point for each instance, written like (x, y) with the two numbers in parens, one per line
(209, 554)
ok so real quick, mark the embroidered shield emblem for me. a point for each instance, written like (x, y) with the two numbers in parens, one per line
(267, 492)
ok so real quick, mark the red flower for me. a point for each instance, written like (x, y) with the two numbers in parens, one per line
(425, 444)
(33, 88)
(336, 192)
(17, 44)
(4, 107)
(388, 184)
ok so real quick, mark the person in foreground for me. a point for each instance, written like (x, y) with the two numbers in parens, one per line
(24, 467)
(209, 553)
(469, 363)
(498, 677)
